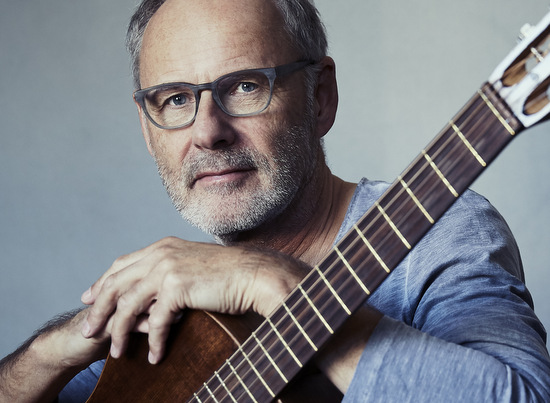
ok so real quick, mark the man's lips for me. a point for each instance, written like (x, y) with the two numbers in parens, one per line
(226, 175)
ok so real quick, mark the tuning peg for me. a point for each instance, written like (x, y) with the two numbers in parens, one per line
(524, 31)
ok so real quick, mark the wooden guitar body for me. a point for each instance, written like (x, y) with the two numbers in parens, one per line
(198, 345)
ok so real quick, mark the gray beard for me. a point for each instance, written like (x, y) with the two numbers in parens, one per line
(295, 160)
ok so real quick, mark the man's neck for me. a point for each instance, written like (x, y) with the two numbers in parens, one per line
(317, 237)
(308, 228)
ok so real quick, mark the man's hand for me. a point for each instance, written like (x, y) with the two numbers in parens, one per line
(148, 289)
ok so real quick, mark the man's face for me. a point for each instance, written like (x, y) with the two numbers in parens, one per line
(228, 174)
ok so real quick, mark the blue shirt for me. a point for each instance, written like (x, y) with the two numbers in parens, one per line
(459, 324)
(458, 320)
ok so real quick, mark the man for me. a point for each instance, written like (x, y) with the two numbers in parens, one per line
(242, 159)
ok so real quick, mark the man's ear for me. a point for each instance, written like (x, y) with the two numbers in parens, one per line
(144, 128)
(326, 97)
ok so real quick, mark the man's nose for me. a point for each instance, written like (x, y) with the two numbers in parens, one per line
(212, 128)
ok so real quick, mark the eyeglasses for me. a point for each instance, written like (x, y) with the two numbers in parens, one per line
(242, 93)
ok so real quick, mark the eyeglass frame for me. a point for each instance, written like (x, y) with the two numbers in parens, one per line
(270, 72)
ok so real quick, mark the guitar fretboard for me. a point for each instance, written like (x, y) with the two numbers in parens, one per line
(366, 255)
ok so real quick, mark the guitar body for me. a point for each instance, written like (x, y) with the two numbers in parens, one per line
(198, 345)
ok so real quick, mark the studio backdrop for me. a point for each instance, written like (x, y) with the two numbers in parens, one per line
(78, 188)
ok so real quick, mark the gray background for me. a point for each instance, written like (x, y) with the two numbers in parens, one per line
(78, 188)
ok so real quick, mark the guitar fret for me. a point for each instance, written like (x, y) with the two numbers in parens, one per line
(353, 273)
(266, 353)
(197, 397)
(440, 174)
(224, 386)
(371, 248)
(280, 337)
(496, 112)
(310, 302)
(210, 393)
(234, 371)
(332, 290)
(393, 226)
(300, 328)
(416, 201)
(262, 380)
(467, 144)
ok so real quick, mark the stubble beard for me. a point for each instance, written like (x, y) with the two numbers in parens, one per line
(224, 211)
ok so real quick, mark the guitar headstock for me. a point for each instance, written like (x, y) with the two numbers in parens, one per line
(523, 78)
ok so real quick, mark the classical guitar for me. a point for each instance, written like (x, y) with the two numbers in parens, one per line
(212, 358)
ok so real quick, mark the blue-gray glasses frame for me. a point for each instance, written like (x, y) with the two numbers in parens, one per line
(241, 93)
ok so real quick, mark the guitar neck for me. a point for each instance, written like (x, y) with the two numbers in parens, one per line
(367, 254)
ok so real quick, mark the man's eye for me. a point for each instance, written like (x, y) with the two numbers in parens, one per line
(246, 87)
(177, 100)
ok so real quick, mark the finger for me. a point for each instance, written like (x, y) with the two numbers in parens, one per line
(160, 322)
(118, 284)
(106, 302)
(89, 296)
(129, 312)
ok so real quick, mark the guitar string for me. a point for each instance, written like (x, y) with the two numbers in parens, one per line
(270, 333)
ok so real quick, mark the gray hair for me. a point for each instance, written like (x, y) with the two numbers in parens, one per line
(300, 18)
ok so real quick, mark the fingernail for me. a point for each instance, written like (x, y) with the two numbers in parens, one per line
(115, 352)
(152, 358)
(87, 295)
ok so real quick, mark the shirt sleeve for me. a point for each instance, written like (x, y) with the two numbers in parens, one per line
(459, 323)
(80, 388)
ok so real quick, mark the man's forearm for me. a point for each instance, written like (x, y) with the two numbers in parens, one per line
(339, 358)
